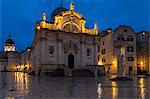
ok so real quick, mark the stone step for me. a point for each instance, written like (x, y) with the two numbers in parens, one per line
(82, 73)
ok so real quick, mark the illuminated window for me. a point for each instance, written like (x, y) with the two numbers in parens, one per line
(51, 49)
(9, 48)
(103, 60)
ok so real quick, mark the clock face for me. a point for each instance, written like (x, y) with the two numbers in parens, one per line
(71, 28)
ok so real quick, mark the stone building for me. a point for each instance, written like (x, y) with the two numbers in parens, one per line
(3, 61)
(64, 42)
(118, 51)
(143, 52)
(25, 60)
(10, 58)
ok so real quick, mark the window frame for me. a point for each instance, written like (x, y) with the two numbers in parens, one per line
(51, 50)
(88, 52)
(130, 58)
(130, 48)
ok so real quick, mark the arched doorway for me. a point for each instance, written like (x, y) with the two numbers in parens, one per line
(71, 61)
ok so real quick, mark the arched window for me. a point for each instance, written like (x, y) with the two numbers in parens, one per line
(71, 28)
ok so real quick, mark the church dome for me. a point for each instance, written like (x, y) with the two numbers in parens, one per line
(56, 12)
(9, 41)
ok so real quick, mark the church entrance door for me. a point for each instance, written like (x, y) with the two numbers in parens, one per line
(71, 61)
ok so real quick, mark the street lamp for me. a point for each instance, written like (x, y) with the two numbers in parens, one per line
(141, 65)
(113, 62)
(143, 33)
(142, 51)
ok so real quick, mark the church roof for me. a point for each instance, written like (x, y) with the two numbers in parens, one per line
(56, 12)
(9, 40)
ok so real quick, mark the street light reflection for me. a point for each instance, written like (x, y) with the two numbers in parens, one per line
(114, 90)
(99, 91)
(142, 89)
(10, 97)
(22, 82)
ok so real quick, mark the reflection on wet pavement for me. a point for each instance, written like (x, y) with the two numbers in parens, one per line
(19, 85)
(114, 90)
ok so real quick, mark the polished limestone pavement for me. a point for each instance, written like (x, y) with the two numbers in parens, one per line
(15, 85)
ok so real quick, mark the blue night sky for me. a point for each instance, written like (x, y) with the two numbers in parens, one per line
(18, 17)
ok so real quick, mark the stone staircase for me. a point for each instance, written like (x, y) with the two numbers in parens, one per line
(97, 70)
(55, 70)
(63, 70)
(67, 71)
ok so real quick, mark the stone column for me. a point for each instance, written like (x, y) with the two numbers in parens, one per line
(95, 53)
(43, 48)
(60, 57)
(82, 51)
(59, 49)
(36, 58)
(38, 55)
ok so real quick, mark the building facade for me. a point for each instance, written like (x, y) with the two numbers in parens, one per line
(10, 58)
(143, 52)
(118, 51)
(64, 42)
(25, 61)
(3, 61)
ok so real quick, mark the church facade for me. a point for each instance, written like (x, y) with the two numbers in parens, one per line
(64, 42)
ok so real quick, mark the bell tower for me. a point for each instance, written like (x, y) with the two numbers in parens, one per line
(9, 45)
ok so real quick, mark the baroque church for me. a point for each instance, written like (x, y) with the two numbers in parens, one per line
(64, 42)
(64, 46)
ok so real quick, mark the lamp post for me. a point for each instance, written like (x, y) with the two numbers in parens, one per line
(142, 67)
(29, 59)
(142, 53)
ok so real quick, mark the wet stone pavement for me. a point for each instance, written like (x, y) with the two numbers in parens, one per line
(21, 86)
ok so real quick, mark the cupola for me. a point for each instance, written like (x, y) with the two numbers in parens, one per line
(9, 44)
